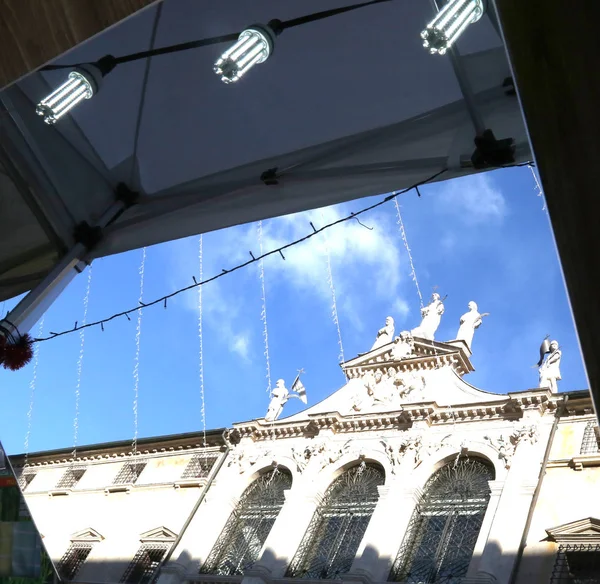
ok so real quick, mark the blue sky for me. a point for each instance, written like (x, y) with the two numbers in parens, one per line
(484, 238)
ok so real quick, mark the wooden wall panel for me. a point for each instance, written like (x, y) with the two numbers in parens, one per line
(33, 32)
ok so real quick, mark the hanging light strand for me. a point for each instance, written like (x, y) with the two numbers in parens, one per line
(32, 388)
(538, 187)
(413, 273)
(263, 311)
(86, 299)
(254, 259)
(334, 310)
(136, 366)
(201, 347)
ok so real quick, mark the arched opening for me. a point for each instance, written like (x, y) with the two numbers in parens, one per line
(339, 524)
(249, 525)
(445, 524)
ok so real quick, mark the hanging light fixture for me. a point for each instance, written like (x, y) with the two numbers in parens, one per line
(83, 83)
(443, 31)
(254, 45)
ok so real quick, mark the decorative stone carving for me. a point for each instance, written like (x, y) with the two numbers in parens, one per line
(325, 453)
(301, 457)
(431, 317)
(384, 335)
(245, 459)
(409, 382)
(550, 368)
(528, 434)
(407, 449)
(404, 346)
(506, 446)
(468, 323)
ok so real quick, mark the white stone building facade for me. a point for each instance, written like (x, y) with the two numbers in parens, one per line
(405, 474)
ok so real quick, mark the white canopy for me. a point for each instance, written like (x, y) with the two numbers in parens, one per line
(345, 108)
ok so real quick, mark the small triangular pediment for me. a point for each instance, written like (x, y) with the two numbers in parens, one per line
(584, 530)
(413, 353)
(87, 535)
(158, 534)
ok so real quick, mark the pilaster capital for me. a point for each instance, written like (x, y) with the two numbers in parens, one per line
(496, 488)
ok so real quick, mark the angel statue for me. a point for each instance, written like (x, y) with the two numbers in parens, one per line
(468, 323)
(550, 368)
(431, 315)
(280, 395)
(384, 335)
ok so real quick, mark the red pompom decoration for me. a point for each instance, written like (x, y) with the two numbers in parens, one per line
(17, 354)
(2, 346)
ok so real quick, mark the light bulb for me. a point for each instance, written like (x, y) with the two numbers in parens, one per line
(83, 83)
(254, 45)
(449, 23)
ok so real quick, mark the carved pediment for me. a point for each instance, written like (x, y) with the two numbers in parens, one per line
(87, 535)
(158, 534)
(408, 353)
(582, 531)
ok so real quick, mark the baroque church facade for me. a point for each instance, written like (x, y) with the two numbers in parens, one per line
(405, 474)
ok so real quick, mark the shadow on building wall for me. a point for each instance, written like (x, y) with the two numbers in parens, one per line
(533, 569)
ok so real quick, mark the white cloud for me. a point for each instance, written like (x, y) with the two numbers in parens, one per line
(474, 199)
(241, 345)
(357, 256)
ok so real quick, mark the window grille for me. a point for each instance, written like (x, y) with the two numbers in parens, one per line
(25, 479)
(249, 525)
(145, 563)
(445, 524)
(71, 477)
(591, 439)
(72, 560)
(199, 467)
(577, 564)
(338, 526)
(129, 473)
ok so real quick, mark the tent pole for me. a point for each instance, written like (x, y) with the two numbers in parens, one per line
(30, 309)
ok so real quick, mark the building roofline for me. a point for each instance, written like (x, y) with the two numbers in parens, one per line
(213, 438)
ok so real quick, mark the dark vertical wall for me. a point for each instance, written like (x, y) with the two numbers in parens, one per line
(554, 50)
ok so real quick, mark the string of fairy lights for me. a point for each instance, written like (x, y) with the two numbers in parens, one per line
(163, 300)
(86, 301)
(252, 46)
(334, 310)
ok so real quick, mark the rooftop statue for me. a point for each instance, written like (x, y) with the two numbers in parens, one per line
(431, 317)
(384, 335)
(550, 367)
(468, 323)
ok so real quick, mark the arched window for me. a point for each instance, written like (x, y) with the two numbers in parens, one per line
(590, 443)
(444, 527)
(249, 525)
(338, 525)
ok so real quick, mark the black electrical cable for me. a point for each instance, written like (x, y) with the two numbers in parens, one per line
(253, 259)
(108, 62)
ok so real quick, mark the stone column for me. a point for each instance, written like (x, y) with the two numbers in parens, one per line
(385, 533)
(286, 534)
(507, 527)
(197, 541)
(496, 488)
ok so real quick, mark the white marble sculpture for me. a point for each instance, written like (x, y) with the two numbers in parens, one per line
(431, 317)
(384, 335)
(280, 395)
(550, 368)
(404, 346)
(468, 323)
